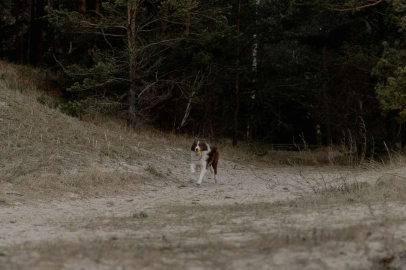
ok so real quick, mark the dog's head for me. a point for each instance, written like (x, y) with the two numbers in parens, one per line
(199, 145)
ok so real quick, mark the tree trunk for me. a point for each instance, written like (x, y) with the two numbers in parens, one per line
(254, 71)
(40, 14)
(187, 112)
(326, 101)
(92, 5)
(133, 100)
(381, 20)
(36, 37)
(97, 5)
(403, 135)
(164, 21)
(237, 80)
(131, 35)
(237, 107)
(390, 127)
(25, 38)
(31, 41)
(17, 30)
(187, 23)
(81, 6)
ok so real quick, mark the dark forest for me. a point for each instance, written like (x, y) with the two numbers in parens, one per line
(272, 71)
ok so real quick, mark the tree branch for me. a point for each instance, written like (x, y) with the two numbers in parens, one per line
(377, 2)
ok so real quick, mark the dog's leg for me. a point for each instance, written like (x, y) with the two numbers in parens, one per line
(192, 167)
(202, 173)
(211, 168)
(215, 170)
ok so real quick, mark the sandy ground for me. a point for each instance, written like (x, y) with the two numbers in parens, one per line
(232, 225)
(38, 221)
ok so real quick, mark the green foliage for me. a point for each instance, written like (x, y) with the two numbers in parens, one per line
(391, 88)
(78, 108)
(392, 59)
(96, 77)
(392, 94)
(390, 70)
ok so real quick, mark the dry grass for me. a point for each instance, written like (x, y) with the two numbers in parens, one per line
(44, 150)
(350, 188)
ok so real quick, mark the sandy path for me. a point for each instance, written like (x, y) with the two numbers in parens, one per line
(61, 220)
(39, 221)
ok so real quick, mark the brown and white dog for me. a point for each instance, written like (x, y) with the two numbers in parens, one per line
(205, 156)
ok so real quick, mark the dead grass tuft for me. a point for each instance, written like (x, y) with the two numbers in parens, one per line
(349, 189)
(151, 169)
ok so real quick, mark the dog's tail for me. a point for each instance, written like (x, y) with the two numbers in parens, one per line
(216, 151)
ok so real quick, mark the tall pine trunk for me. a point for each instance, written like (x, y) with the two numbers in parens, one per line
(237, 107)
(97, 5)
(81, 6)
(254, 74)
(36, 35)
(32, 34)
(131, 36)
(17, 30)
(326, 101)
(237, 80)
(187, 23)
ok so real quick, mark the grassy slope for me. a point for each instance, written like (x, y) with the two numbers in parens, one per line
(47, 152)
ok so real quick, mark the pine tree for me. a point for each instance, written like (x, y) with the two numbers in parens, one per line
(133, 38)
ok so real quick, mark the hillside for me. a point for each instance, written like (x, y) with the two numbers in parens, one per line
(92, 194)
(48, 154)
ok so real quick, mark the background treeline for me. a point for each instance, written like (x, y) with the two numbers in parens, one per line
(255, 70)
